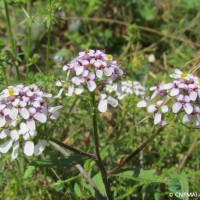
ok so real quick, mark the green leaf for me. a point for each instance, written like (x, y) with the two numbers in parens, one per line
(2, 181)
(29, 172)
(148, 12)
(77, 190)
(178, 183)
(60, 162)
(97, 178)
(144, 176)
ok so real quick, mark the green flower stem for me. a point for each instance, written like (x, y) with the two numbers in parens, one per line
(12, 43)
(97, 152)
(75, 150)
(29, 38)
(5, 75)
(48, 49)
(136, 152)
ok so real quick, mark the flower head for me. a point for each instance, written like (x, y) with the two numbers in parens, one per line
(22, 109)
(180, 96)
(92, 71)
(125, 88)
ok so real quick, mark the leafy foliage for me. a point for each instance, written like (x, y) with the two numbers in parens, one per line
(150, 38)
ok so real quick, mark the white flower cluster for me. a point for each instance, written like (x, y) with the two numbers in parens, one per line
(22, 109)
(179, 96)
(127, 88)
(91, 70)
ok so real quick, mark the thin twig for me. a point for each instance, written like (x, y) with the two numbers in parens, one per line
(132, 155)
(191, 149)
(75, 150)
(147, 29)
(82, 171)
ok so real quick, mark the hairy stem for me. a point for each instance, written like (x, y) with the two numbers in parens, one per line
(5, 75)
(136, 152)
(29, 38)
(97, 152)
(75, 150)
(82, 171)
(12, 42)
(48, 49)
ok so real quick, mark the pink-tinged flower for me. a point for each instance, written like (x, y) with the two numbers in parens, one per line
(93, 71)
(180, 75)
(158, 109)
(104, 101)
(22, 110)
(194, 116)
(142, 104)
(158, 89)
(125, 88)
(183, 102)
(181, 95)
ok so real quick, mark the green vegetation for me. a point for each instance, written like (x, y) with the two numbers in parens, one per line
(150, 39)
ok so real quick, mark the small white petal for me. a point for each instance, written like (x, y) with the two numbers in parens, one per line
(65, 68)
(103, 103)
(119, 87)
(193, 95)
(176, 107)
(6, 111)
(108, 71)
(188, 108)
(23, 128)
(13, 113)
(30, 124)
(39, 147)
(79, 70)
(167, 86)
(32, 133)
(36, 104)
(15, 150)
(26, 136)
(59, 93)
(91, 86)
(42, 118)
(16, 102)
(79, 90)
(151, 108)
(70, 90)
(2, 121)
(112, 101)
(153, 88)
(29, 148)
(32, 110)
(4, 133)
(4, 148)
(24, 113)
(142, 104)
(54, 115)
(186, 118)
(76, 80)
(14, 135)
(99, 73)
(58, 83)
(47, 95)
(157, 118)
(2, 106)
(154, 94)
(174, 92)
(29, 93)
(164, 109)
